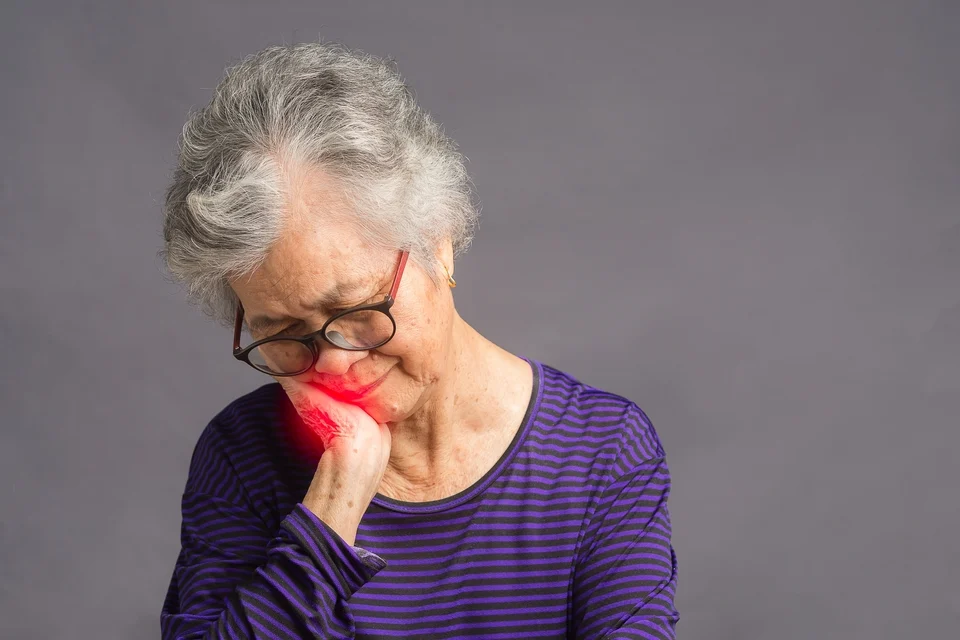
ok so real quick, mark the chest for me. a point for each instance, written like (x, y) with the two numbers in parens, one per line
(496, 574)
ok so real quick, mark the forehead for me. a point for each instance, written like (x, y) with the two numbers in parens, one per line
(307, 255)
(319, 252)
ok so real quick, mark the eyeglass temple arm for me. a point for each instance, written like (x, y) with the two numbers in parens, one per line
(238, 327)
(396, 280)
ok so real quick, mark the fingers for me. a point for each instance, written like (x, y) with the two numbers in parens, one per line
(320, 413)
(326, 416)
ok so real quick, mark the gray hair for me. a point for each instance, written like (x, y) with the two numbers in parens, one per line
(309, 105)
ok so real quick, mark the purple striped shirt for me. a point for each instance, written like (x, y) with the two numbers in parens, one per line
(567, 536)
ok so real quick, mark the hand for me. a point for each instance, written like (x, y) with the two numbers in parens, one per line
(356, 451)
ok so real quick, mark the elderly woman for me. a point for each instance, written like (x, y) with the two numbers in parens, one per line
(402, 476)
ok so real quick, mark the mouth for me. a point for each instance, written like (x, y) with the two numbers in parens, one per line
(350, 392)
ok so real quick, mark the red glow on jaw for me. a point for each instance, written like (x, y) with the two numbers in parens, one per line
(319, 422)
(310, 426)
(319, 427)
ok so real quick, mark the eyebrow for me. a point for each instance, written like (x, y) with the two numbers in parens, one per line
(324, 301)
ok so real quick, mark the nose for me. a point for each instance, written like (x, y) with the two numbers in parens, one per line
(335, 361)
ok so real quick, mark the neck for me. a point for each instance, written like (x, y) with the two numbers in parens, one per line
(463, 411)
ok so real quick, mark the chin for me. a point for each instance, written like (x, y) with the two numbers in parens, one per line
(379, 411)
(382, 409)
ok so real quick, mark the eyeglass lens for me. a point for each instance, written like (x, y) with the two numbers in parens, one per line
(357, 330)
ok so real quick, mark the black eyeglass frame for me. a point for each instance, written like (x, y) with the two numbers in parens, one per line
(310, 340)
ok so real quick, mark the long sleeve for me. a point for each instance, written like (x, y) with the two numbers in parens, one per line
(625, 573)
(235, 578)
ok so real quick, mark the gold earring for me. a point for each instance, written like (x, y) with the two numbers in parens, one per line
(450, 280)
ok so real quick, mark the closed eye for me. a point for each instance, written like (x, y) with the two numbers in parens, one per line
(296, 329)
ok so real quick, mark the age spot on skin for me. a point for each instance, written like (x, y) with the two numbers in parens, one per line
(349, 503)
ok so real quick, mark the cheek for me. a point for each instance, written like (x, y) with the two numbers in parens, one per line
(421, 338)
(422, 330)
(417, 353)
(413, 329)
(391, 409)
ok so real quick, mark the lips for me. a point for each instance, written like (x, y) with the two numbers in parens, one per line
(350, 392)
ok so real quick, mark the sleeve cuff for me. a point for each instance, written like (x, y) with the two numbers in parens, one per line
(370, 559)
(350, 567)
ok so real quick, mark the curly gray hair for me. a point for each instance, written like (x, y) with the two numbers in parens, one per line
(317, 105)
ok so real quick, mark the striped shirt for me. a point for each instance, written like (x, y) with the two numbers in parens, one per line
(566, 536)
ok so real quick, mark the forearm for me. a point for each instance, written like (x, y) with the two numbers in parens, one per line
(301, 590)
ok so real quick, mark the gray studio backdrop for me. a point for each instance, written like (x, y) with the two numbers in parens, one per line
(743, 216)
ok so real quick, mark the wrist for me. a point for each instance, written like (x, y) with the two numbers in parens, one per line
(345, 524)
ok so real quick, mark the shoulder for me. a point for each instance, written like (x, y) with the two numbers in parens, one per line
(248, 421)
(244, 432)
(608, 427)
(244, 454)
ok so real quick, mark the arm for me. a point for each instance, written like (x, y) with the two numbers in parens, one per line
(625, 574)
(235, 578)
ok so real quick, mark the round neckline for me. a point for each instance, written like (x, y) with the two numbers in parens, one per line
(432, 506)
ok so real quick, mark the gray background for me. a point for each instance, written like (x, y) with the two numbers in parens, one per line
(743, 216)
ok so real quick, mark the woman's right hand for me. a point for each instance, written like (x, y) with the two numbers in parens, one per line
(355, 455)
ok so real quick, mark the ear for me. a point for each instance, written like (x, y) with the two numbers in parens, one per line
(444, 254)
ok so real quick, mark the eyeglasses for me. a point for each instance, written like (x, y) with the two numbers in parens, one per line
(359, 328)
